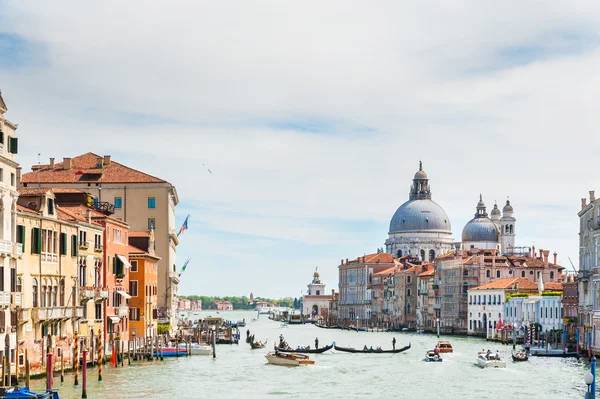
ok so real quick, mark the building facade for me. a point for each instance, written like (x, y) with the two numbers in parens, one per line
(143, 282)
(316, 302)
(138, 199)
(420, 227)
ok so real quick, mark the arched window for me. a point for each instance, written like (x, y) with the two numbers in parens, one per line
(489, 299)
(399, 253)
(497, 273)
(62, 292)
(494, 299)
(431, 255)
(35, 293)
(408, 292)
(511, 229)
(551, 275)
(43, 296)
(54, 292)
(408, 310)
(407, 279)
(488, 273)
(465, 287)
(506, 228)
(422, 254)
(499, 300)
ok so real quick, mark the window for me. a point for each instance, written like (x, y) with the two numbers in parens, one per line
(118, 267)
(118, 202)
(63, 243)
(151, 223)
(21, 234)
(19, 286)
(83, 238)
(35, 293)
(551, 275)
(74, 246)
(497, 273)
(13, 279)
(134, 314)
(1, 175)
(62, 292)
(36, 240)
(50, 206)
(117, 236)
(488, 274)
(82, 271)
(151, 202)
(97, 241)
(49, 245)
(98, 311)
(134, 266)
(12, 179)
(13, 145)
(133, 288)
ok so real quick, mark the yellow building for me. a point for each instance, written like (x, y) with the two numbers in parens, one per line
(141, 200)
(47, 278)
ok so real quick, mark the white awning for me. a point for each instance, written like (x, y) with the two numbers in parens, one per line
(124, 294)
(114, 319)
(125, 261)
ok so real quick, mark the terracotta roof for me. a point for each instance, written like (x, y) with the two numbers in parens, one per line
(508, 283)
(391, 270)
(552, 286)
(84, 168)
(135, 250)
(382, 257)
(430, 272)
(67, 191)
(33, 192)
(80, 211)
(24, 209)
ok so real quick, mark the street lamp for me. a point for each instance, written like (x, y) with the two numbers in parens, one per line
(356, 323)
(438, 326)
(589, 379)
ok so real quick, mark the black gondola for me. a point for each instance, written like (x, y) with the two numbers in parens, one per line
(352, 350)
(520, 359)
(255, 345)
(320, 350)
(328, 327)
(566, 354)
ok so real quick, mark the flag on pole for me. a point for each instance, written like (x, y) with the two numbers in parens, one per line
(184, 266)
(184, 226)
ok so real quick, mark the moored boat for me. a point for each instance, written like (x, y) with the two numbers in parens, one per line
(304, 350)
(16, 393)
(170, 352)
(490, 360)
(370, 350)
(431, 356)
(445, 347)
(288, 359)
(519, 356)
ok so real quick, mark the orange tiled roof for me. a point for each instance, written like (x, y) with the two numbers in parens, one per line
(67, 191)
(22, 208)
(32, 192)
(391, 270)
(138, 233)
(429, 272)
(553, 286)
(135, 250)
(84, 168)
(508, 283)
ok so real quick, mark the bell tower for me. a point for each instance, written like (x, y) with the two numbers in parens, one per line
(507, 229)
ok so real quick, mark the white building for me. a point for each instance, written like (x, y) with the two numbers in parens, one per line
(589, 241)
(9, 248)
(316, 302)
(543, 310)
(497, 232)
(420, 227)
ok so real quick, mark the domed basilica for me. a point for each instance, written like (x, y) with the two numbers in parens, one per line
(421, 228)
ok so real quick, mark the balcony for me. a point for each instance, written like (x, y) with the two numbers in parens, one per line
(4, 299)
(100, 294)
(123, 311)
(17, 299)
(150, 299)
(423, 292)
(19, 249)
(105, 207)
(85, 294)
(174, 277)
(84, 245)
(8, 248)
(437, 306)
(49, 257)
(56, 313)
(98, 248)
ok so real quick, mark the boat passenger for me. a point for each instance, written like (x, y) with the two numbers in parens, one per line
(371, 348)
(365, 348)
(436, 350)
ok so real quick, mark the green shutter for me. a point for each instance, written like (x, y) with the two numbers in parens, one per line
(36, 240)
(13, 145)
(74, 249)
(114, 265)
(39, 241)
(1, 137)
(33, 237)
(63, 243)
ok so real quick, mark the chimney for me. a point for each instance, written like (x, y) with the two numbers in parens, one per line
(555, 257)
(106, 160)
(546, 254)
(541, 254)
(88, 214)
(457, 248)
(592, 197)
(67, 163)
(533, 251)
(332, 294)
(19, 172)
(583, 203)
(51, 163)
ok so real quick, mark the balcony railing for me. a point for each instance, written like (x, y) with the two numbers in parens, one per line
(98, 248)
(17, 299)
(49, 257)
(85, 294)
(23, 316)
(100, 294)
(57, 313)
(9, 248)
(4, 299)
(84, 245)
(150, 299)
(104, 207)
(123, 311)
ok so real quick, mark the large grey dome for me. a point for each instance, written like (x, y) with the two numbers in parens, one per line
(420, 215)
(480, 229)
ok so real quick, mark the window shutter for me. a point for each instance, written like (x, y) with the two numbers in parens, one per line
(13, 145)
(114, 265)
(39, 241)
(1, 137)
(63, 243)
(36, 240)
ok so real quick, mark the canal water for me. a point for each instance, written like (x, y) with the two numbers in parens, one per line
(239, 372)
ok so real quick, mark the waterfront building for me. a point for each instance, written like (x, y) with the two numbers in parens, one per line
(570, 302)
(426, 314)
(140, 200)
(143, 282)
(184, 304)
(10, 249)
(223, 305)
(195, 304)
(407, 293)
(544, 309)
(420, 227)
(316, 302)
(589, 271)
(46, 278)
(379, 284)
(355, 296)
(460, 271)
(486, 302)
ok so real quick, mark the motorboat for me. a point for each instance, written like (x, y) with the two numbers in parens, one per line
(445, 347)
(263, 310)
(203, 350)
(16, 393)
(288, 359)
(170, 351)
(490, 360)
(431, 356)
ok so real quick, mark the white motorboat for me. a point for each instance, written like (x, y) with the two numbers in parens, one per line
(490, 360)
(196, 349)
(263, 310)
(288, 359)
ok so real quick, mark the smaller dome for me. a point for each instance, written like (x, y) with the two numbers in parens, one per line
(421, 175)
(316, 274)
(480, 230)
(508, 207)
(480, 204)
(495, 211)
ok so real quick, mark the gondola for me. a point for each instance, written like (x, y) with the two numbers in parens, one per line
(255, 345)
(328, 327)
(520, 359)
(320, 350)
(352, 350)
(566, 354)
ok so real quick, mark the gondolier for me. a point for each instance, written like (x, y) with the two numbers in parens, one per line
(317, 343)
(394, 343)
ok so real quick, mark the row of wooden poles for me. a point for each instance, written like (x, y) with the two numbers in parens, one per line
(137, 349)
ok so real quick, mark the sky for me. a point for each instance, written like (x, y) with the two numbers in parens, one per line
(313, 116)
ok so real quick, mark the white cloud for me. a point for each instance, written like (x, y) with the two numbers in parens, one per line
(496, 99)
